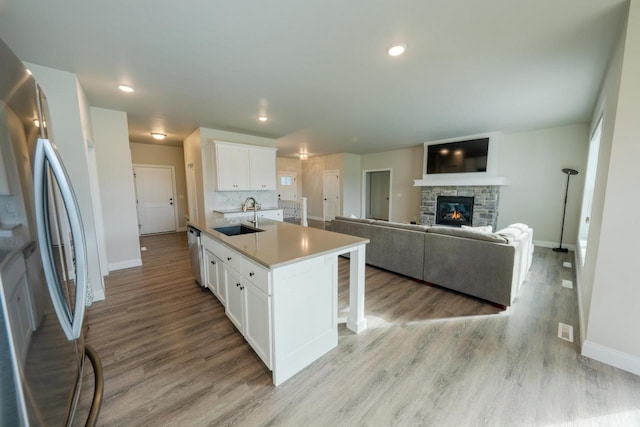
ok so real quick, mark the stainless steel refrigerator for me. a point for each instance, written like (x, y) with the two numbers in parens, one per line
(43, 282)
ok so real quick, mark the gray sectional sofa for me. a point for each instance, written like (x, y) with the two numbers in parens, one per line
(490, 266)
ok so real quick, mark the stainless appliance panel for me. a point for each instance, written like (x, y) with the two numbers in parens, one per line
(40, 382)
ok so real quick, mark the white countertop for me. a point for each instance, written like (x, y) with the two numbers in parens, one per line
(281, 243)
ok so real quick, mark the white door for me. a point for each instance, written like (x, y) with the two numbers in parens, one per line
(287, 186)
(331, 191)
(156, 202)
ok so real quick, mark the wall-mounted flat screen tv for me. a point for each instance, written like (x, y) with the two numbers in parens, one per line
(458, 157)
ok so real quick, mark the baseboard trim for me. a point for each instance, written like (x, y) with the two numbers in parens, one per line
(125, 264)
(98, 295)
(610, 356)
(545, 244)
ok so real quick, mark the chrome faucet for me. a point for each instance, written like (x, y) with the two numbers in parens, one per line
(255, 207)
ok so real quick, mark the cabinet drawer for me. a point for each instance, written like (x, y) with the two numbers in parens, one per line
(230, 257)
(256, 274)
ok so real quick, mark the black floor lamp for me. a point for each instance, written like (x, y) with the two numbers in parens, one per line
(569, 172)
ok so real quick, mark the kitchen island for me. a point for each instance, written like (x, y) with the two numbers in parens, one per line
(279, 287)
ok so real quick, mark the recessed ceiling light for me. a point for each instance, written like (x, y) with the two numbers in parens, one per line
(263, 118)
(29, 72)
(125, 88)
(397, 49)
(159, 136)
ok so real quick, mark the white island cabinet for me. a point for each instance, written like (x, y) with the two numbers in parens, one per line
(282, 289)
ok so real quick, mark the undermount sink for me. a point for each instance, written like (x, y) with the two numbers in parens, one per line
(235, 230)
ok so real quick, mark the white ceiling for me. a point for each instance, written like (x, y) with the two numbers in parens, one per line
(319, 69)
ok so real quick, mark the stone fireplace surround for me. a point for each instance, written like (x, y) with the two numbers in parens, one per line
(485, 209)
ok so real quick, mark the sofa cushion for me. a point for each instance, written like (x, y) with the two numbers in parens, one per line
(363, 220)
(414, 227)
(467, 233)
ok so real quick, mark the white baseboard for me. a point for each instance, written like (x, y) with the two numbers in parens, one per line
(125, 264)
(316, 218)
(626, 362)
(98, 295)
(544, 244)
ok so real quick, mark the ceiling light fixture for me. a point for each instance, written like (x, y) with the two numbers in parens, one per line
(304, 156)
(159, 136)
(125, 88)
(397, 49)
(262, 118)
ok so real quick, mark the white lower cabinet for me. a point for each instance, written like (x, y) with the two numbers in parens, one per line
(214, 279)
(249, 306)
(235, 298)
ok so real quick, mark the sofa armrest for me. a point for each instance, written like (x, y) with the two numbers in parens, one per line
(483, 269)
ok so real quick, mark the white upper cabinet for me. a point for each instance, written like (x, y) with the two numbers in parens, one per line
(240, 167)
(262, 164)
(232, 167)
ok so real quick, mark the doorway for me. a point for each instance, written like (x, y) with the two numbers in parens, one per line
(589, 187)
(376, 194)
(287, 186)
(155, 189)
(331, 194)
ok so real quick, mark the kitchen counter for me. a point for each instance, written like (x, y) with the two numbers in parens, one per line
(281, 243)
(288, 312)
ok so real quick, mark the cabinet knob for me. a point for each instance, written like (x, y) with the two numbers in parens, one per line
(228, 258)
(251, 274)
(213, 262)
(241, 287)
(237, 285)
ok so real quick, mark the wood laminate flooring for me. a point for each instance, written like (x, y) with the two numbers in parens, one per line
(429, 357)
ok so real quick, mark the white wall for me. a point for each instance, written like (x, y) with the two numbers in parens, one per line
(351, 184)
(533, 162)
(164, 155)
(612, 332)
(192, 147)
(111, 139)
(405, 165)
(69, 127)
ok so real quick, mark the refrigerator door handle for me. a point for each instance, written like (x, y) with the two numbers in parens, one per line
(46, 157)
(98, 387)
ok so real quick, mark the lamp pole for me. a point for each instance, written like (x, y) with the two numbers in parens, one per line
(569, 172)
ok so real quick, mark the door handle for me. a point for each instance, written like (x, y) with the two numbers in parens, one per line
(47, 159)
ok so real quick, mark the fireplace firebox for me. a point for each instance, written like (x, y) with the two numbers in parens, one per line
(454, 210)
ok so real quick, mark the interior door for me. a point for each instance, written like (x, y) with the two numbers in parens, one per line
(331, 191)
(378, 195)
(156, 202)
(287, 186)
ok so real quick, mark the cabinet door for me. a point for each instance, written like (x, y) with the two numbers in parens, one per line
(221, 288)
(235, 305)
(211, 270)
(263, 169)
(232, 165)
(258, 321)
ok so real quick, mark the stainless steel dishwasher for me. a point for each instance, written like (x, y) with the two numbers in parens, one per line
(195, 253)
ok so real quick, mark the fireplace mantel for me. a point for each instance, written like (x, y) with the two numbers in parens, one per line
(455, 179)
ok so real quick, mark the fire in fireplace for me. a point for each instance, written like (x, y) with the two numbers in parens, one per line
(454, 210)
